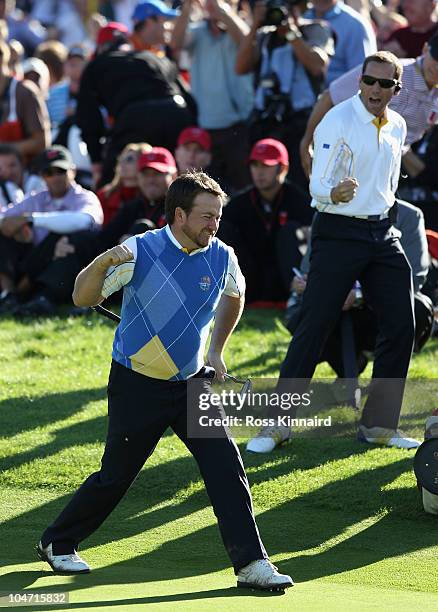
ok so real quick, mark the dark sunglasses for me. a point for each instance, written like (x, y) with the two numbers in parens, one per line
(384, 83)
(54, 172)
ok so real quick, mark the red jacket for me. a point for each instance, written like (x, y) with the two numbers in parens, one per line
(112, 200)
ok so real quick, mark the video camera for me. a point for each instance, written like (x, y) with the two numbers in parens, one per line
(277, 13)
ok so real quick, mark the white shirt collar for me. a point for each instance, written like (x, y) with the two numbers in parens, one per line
(364, 115)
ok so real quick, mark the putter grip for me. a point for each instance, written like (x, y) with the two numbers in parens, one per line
(107, 313)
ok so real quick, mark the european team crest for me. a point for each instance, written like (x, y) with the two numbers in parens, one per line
(204, 283)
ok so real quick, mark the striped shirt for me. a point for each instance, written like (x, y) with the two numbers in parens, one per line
(416, 103)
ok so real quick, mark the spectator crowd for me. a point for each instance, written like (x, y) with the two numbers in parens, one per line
(104, 103)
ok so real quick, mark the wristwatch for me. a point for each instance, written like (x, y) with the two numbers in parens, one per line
(293, 35)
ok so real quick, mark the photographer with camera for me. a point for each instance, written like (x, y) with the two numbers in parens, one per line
(224, 99)
(291, 56)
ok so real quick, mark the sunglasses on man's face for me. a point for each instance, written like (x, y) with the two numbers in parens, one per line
(384, 83)
(54, 172)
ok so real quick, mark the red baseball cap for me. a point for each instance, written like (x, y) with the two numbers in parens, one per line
(159, 159)
(270, 152)
(110, 32)
(195, 134)
(432, 241)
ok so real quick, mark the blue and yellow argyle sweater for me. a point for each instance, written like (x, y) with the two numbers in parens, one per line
(168, 306)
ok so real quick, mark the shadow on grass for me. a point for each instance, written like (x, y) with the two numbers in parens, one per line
(156, 484)
(86, 432)
(21, 414)
(262, 358)
(17, 579)
(289, 528)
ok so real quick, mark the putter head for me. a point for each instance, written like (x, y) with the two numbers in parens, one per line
(247, 388)
(426, 465)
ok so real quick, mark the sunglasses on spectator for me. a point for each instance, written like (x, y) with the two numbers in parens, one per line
(384, 83)
(54, 172)
(131, 157)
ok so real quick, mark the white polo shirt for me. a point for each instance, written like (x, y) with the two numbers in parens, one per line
(352, 142)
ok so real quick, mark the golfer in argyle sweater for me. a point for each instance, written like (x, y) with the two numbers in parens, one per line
(175, 281)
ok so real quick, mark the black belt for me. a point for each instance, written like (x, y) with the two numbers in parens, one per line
(381, 217)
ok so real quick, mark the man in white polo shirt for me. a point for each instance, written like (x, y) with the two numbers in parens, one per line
(417, 102)
(355, 172)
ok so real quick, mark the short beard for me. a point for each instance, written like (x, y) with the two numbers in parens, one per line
(194, 238)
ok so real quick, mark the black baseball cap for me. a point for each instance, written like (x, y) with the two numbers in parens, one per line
(433, 47)
(56, 157)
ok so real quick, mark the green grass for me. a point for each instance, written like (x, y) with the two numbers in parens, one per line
(344, 519)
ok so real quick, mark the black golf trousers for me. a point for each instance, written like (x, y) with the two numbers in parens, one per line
(346, 249)
(140, 409)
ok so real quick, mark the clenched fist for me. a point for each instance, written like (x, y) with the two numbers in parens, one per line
(114, 257)
(345, 190)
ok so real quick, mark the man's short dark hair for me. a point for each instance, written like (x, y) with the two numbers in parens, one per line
(7, 149)
(184, 189)
(385, 57)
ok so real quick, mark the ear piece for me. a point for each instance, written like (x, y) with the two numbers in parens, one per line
(397, 88)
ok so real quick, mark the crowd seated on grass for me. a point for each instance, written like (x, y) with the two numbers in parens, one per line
(49, 233)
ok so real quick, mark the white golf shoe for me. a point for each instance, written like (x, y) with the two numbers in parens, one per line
(64, 564)
(268, 438)
(386, 437)
(262, 574)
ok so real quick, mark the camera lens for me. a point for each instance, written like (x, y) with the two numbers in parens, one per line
(276, 13)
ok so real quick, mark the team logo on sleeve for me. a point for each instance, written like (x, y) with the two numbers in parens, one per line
(204, 283)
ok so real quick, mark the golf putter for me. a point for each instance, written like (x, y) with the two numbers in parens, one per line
(109, 314)
(247, 384)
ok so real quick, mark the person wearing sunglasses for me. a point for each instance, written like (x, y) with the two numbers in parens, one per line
(35, 273)
(417, 102)
(355, 173)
